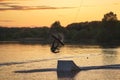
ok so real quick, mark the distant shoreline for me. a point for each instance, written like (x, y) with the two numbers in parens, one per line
(22, 42)
(9, 41)
(66, 43)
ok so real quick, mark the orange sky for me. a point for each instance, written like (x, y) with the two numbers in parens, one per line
(25, 13)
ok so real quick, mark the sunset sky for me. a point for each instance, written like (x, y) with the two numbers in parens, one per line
(30, 13)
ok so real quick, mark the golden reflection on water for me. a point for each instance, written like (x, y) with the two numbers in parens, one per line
(39, 62)
(18, 52)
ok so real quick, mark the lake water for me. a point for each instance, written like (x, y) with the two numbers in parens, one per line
(37, 62)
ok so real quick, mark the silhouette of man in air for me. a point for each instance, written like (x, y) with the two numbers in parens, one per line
(57, 36)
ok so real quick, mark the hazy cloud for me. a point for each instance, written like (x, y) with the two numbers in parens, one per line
(116, 3)
(12, 6)
(6, 20)
(2, 0)
(10, 0)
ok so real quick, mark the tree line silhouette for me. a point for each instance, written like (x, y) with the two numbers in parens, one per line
(104, 32)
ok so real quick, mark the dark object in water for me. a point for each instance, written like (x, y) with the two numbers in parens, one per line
(67, 69)
(67, 66)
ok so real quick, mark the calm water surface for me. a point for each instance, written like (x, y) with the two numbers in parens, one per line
(36, 62)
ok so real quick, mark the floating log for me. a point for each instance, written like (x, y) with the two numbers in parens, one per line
(67, 66)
